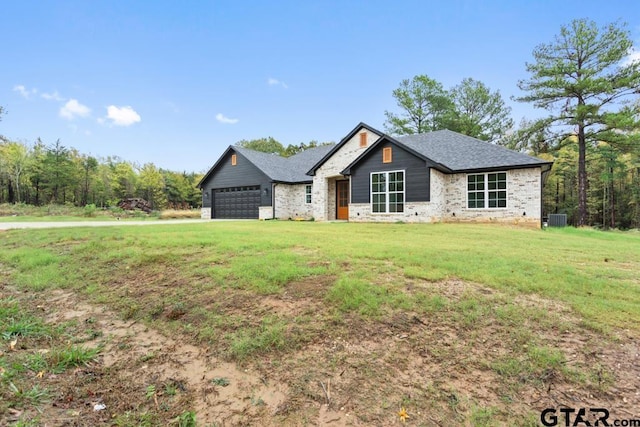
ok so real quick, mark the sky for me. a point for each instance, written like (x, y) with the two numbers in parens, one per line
(174, 83)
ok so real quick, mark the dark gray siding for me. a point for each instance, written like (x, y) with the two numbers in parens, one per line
(244, 173)
(416, 174)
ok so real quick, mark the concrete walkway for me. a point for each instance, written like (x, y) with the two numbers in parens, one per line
(55, 224)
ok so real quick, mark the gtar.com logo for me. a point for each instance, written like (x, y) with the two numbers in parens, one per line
(572, 417)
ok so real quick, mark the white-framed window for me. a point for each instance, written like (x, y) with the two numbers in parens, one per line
(307, 194)
(387, 192)
(487, 190)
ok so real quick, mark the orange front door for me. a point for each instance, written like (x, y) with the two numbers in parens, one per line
(342, 190)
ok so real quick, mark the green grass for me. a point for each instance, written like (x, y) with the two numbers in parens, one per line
(61, 359)
(593, 272)
(352, 294)
(270, 335)
(24, 328)
(257, 292)
(34, 396)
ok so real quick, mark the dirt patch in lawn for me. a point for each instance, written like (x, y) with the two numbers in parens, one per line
(140, 370)
(444, 367)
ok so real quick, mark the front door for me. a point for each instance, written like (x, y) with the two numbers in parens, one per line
(342, 190)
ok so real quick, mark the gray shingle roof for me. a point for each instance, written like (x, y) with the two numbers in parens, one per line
(458, 152)
(285, 169)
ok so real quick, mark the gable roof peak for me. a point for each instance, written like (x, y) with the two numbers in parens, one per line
(343, 141)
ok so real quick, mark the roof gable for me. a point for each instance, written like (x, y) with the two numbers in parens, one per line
(276, 168)
(453, 152)
(215, 165)
(339, 145)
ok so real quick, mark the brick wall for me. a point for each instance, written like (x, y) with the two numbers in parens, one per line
(523, 200)
(290, 202)
(324, 186)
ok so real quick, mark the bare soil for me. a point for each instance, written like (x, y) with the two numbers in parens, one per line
(357, 373)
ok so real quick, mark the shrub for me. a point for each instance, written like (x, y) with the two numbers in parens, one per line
(90, 210)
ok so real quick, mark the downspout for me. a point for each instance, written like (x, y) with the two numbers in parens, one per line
(543, 177)
(273, 200)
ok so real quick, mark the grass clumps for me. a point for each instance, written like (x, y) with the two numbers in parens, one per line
(269, 336)
(32, 349)
(358, 295)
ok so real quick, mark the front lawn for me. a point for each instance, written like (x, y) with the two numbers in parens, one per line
(483, 325)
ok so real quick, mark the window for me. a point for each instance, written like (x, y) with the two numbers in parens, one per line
(307, 194)
(363, 139)
(387, 192)
(487, 190)
(386, 155)
(234, 160)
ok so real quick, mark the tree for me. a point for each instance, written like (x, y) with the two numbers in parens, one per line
(14, 159)
(582, 79)
(151, 186)
(89, 166)
(123, 180)
(58, 172)
(181, 190)
(528, 138)
(292, 149)
(479, 112)
(103, 194)
(36, 170)
(426, 106)
(265, 145)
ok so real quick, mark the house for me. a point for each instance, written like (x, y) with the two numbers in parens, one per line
(440, 176)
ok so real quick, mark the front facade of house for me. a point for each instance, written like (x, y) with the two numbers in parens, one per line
(369, 176)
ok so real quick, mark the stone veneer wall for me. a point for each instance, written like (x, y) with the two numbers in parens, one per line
(523, 200)
(449, 197)
(290, 202)
(324, 187)
(413, 212)
(265, 212)
(205, 213)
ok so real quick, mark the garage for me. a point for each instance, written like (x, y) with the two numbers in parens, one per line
(236, 202)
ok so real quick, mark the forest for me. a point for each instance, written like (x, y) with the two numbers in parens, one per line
(41, 174)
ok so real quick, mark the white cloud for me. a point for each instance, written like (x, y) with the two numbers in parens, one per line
(26, 93)
(223, 119)
(55, 96)
(121, 116)
(632, 57)
(73, 109)
(275, 82)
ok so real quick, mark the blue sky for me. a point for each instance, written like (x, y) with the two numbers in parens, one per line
(175, 82)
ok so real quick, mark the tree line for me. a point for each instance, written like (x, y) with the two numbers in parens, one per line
(273, 146)
(40, 174)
